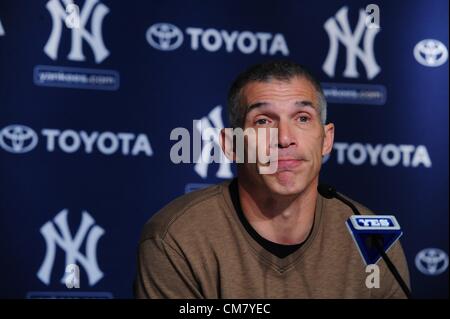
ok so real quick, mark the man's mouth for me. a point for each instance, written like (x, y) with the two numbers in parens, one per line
(284, 163)
(288, 164)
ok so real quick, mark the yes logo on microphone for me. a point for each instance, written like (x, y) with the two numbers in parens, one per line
(364, 229)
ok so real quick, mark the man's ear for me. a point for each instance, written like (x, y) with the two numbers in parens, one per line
(328, 139)
(226, 143)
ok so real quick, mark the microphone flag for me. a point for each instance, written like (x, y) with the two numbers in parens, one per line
(364, 229)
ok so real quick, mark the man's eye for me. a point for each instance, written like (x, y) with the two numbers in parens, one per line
(261, 121)
(303, 118)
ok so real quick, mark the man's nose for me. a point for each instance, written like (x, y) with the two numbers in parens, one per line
(285, 135)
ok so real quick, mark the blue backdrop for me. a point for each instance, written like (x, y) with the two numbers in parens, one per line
(88, 101)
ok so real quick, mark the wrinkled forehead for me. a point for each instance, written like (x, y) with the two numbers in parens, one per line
(279, 91)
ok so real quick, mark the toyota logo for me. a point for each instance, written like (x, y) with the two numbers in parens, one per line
(432, 261)
(430, 52)
(18, 138)
(164, 36)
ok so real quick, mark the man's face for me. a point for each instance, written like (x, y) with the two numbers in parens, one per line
(291, 107)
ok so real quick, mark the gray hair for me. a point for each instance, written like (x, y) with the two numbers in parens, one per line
(281, 70)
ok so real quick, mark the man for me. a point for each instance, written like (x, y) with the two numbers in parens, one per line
(264, 235)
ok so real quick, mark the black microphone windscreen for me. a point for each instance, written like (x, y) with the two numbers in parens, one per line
(326, 190)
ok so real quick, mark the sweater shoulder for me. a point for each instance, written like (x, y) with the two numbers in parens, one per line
(343, 211)
(186, 212)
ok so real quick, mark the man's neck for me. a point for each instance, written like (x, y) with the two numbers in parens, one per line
(280, 219)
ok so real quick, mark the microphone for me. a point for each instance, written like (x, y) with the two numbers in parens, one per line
(373, 234)
(329, 192)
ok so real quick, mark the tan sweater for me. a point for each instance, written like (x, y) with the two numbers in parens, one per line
(196, 247)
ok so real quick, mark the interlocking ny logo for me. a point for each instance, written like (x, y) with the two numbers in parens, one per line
(210, 142)
(338, 29)
(91, 11)
(71, 246)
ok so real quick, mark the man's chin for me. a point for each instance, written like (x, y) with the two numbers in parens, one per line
(284, 183)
